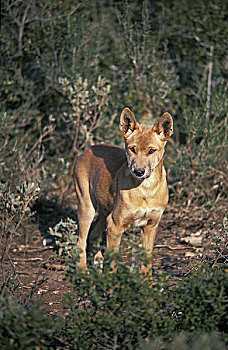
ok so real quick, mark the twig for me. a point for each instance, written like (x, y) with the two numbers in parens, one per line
(210, 67)
(170, 247)
(218, 171)
(28, 259)
(40, 140)
(30, 250)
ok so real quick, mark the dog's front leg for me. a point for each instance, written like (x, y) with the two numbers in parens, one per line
(148, 234)
(114, 235)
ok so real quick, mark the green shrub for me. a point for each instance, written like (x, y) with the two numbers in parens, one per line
(65, 235)
(203, 341)
(122, 311)
(199, 162)
(116, 310)
(15, 213)
(153, 57)
(84, 111)
(25, 327)
(24, 137)
(15, 206)
(201, 301)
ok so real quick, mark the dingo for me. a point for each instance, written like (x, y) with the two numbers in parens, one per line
(125, 187)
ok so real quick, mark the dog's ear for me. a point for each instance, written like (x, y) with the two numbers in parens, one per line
(164, 127)
(128, 123)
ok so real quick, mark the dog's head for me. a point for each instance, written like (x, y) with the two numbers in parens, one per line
(144, 144)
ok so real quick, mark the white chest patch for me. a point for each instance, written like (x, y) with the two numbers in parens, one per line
(142, 216)
(141, 222)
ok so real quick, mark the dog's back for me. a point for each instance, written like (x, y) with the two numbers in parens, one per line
(98, 168)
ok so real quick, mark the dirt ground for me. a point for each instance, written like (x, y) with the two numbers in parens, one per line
(186, 237)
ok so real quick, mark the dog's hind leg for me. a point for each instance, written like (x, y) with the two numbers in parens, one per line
(86, 213)
(95, 236)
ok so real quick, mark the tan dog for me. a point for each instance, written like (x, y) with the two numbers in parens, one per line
(125, 187)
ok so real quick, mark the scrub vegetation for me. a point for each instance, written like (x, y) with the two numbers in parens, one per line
(67, 70)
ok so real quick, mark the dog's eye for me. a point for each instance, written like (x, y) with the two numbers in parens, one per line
(132, 149)
(152, 150)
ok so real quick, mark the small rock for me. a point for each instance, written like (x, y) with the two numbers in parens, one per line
(195, 241)
(189, 255)
(47, 241)
(198, 233)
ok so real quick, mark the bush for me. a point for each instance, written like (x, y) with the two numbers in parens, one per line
(15, 207)
(201, 301)
(65, 236)
(25, 327)
(205, 341)
(23, 141)
(15, 212)
(122, 311)
(198, 162)
(116, 310)
(60, 63)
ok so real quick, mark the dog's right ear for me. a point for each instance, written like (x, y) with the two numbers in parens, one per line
(128, 123)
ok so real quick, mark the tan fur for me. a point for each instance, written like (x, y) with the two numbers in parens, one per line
(125, 187)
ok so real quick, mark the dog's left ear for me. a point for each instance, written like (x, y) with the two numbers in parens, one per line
(164, 127)
(128, 123)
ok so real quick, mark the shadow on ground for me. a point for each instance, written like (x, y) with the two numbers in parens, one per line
(49, 212)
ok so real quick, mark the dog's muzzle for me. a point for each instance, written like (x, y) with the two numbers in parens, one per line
(139, 172)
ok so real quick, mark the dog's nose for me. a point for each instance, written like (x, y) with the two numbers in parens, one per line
(139, 172)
